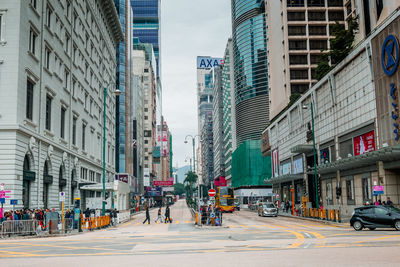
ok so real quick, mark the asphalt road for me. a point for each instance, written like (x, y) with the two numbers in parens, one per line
(244, 240)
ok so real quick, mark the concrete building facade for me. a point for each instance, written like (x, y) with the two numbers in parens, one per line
(56, 59)
(228, 117)
(218, 130)
(356, 133)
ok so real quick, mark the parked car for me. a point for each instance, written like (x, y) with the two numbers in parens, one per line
(267, 209)
(373, 217)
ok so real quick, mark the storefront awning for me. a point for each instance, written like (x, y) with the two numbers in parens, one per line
(386, 154)
(284, 178)
(303, 148)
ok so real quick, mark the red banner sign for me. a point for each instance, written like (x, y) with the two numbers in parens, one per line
(163, 183)
(364, 143)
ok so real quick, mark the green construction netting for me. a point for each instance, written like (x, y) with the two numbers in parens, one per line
(249, 166)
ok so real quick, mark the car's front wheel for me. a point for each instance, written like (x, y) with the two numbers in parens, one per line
(357, 225)
(397, 225)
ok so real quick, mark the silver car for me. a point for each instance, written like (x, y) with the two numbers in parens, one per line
(267, 209)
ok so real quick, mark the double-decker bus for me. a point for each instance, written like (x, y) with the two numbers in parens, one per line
(225, 199)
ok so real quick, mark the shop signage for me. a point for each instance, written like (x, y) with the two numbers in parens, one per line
(364, 143)
(378, 190)
(298, 165)
(220, 181)
(395, 111)
(122, 178)
(153, 191)
(146, 177)
(163, 183)
(275, 163)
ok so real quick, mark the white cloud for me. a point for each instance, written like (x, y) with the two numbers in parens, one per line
(189, 28)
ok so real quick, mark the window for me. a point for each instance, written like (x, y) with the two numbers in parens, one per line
(90, 107)
(83, 136)
(380, 211)
(67, 43)
(346, 148)
(49, 13)
(317, 30)
(335, 3)
(366, 187)
(62, 130)
(298, 59)
(350, 190)
(32, 41)
(34, 3)
(336, 15)
(49, 99)
(47, 55)
(315, 58)
(146, 117)
(298, 45)
(146, 141)
(29, 99)
(296, 16)
(296, 30)
(68, 10)
(316, 3)
(1, 28)
(73, 87)
(348, 9)
(299, 88)
(74, 130)
(86, 100)
(298, 74)
(318, 45)
(316, 16)
(294, 3)
(66, 79)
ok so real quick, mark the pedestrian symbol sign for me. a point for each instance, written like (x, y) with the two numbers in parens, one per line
(62, 197)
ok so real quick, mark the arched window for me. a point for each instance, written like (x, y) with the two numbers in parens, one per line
(26, 184)
(46, 185)
(27, 166)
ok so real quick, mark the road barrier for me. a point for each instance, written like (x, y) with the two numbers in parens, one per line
(95, 222)
(325, 214)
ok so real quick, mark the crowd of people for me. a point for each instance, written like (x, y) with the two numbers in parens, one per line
(24, 214)
(167, 217)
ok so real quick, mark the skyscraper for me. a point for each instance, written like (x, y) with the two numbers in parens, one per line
(250, 68)
(124, 108)
(146, 25)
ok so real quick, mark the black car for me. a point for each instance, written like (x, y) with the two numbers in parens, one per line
(373, 217)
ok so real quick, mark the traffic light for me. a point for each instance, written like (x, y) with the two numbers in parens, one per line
(338, 192)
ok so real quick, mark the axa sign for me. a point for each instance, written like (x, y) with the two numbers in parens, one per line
(208, 62)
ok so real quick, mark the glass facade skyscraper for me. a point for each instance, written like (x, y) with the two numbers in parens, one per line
(250, 68)
(124, 130)
(146, 24)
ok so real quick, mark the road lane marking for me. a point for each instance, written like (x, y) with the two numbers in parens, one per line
(308, 235)
(321, 239)
(187, 221)
(232, 226)
(244, 226)
(376, 239)
(299, 241)
(176, 222)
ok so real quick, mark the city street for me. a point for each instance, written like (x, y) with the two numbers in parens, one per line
(245, 239)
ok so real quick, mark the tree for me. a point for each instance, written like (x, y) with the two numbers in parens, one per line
(341, 46)
(190, 181)
(179, 189)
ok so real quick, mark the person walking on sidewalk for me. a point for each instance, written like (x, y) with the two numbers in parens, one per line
(167, 215)
(159, 216)
(147, 215)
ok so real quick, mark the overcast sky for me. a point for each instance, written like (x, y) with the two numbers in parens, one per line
(189, 28)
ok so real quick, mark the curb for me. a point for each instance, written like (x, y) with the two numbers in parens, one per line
(313, 220)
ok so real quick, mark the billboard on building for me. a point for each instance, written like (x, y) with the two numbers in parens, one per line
(146, 177)
(364, 143)
(208, 62)
(385, 61)
(298, 165)
(275, 163)
(165, 144)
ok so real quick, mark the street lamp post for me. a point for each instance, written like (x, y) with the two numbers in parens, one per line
(117, 93)
(314, 152)
(194, 168)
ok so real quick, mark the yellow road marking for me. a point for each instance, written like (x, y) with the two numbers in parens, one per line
(321, 239)
(177, 222)
(187, 221)
(244, 226)
(299, 241)
(231, 226)
(376, 239)
(137, 223)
